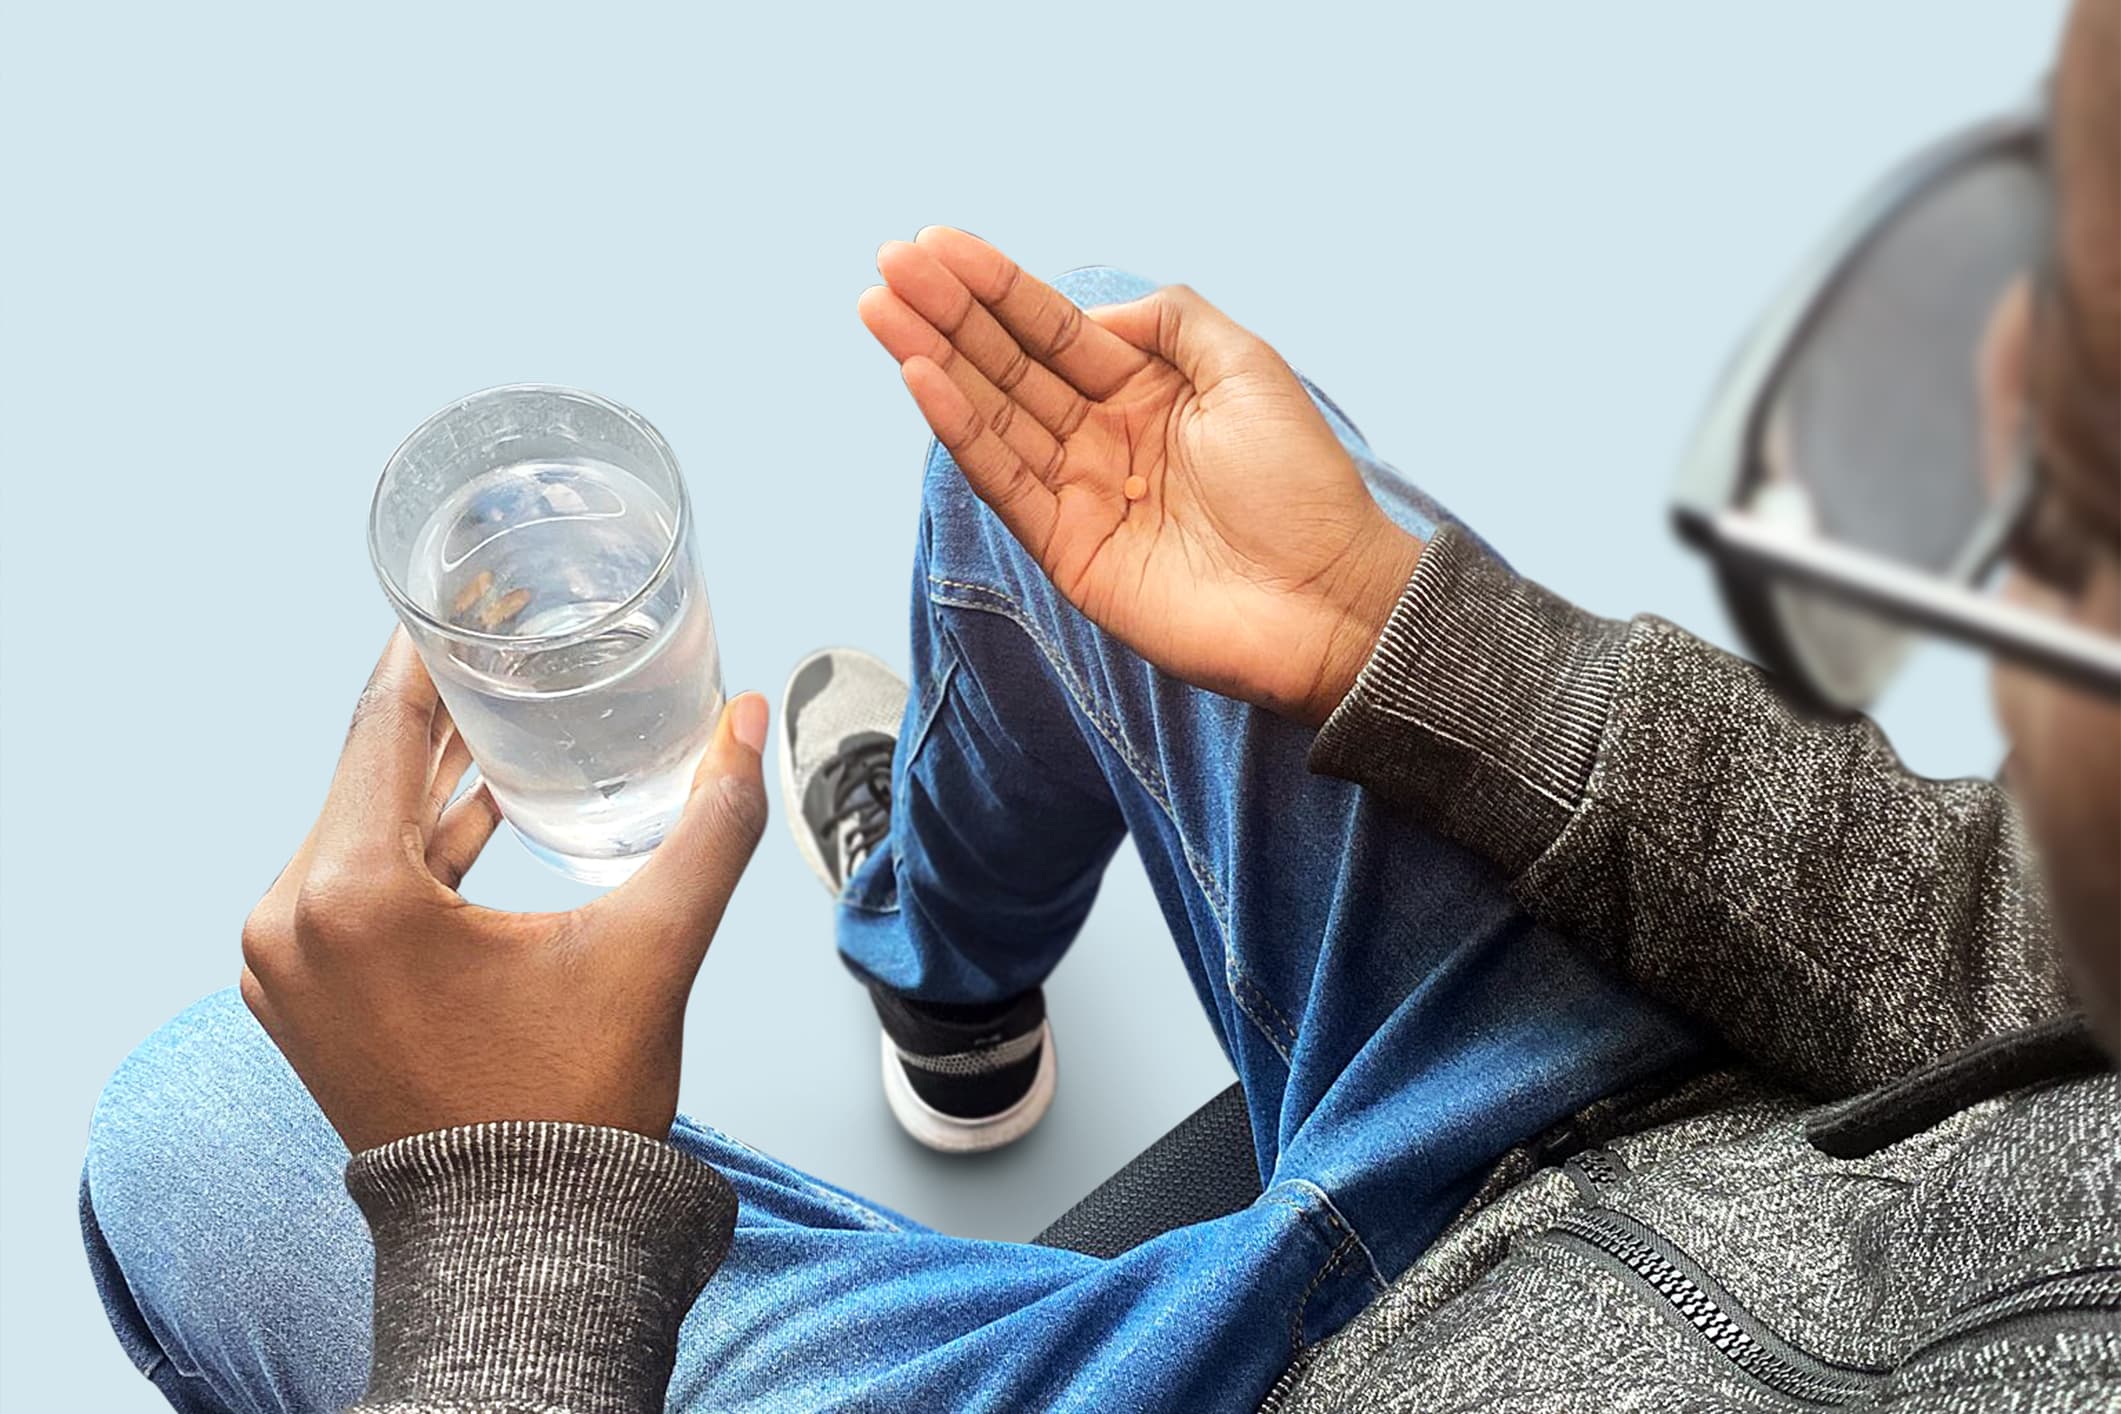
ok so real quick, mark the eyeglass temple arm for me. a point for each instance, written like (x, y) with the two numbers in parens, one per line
(2088, 659)
(1992, 536)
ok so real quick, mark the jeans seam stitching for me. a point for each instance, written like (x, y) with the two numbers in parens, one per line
(1303, 1305)
(1268, 1002)
(1330, 1211)
(932, 695)
(1151, 779)
(1237, 979)
(1016, 614)
(1322, 1206)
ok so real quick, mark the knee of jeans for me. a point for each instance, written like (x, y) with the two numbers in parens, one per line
(213, 1184)
(187, 1102)
(211, 1051)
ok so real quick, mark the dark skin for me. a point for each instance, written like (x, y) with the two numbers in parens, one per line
(405, 1008)
(1252, 561)
(1167, 470)
(2053, 364)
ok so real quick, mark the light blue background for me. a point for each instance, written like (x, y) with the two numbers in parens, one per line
(247, 248)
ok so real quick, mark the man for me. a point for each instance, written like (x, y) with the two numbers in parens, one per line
(1188, 578)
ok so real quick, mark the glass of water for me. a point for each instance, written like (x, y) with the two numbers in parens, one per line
(537, 542)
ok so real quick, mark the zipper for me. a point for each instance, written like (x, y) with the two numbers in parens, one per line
(2083, 1289)
(1595, 1170)
(1646, 1259)
(1285, 1385)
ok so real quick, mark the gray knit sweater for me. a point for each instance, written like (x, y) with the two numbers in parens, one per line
(1904, 1194)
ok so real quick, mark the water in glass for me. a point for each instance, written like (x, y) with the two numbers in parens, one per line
(588, 702)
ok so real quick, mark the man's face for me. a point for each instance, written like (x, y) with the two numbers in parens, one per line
(2065, 762)
(2065, 772)
(2051, 368)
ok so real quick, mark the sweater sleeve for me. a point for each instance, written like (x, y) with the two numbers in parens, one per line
(1782, 878)
(533, 1267)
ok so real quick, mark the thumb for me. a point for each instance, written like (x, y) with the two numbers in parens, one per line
(680, 893)
(1184, 330)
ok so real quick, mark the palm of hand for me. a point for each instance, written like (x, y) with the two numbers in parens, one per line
(1203, 575)
(1235, 563)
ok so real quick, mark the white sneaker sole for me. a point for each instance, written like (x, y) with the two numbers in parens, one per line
(951, 1135)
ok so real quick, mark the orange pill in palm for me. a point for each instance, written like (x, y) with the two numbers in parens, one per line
(1136, 488)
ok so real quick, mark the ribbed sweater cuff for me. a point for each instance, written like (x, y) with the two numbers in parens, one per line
(1481, 706)
(535, 1264)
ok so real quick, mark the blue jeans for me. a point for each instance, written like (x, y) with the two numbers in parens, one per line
(1395, 1019)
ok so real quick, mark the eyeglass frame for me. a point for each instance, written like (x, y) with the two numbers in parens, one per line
(1751, 553)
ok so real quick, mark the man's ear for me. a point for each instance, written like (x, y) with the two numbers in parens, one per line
(2002, 371)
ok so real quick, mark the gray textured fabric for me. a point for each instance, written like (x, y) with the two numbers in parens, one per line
(534, 1268)
(1855, 1263)
(1836, 918)
(1843, 925)
(1494, 744)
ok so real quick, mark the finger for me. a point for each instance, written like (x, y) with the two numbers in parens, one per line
(1184, 330)
(454, 761)
(1042, 320)
(904, 334)
(997, 475)
(383, 773)
(676, 901)
(1015, 367)
(461, 834)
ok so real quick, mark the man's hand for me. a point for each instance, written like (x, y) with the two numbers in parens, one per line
(406, 1009)
(1164, 466)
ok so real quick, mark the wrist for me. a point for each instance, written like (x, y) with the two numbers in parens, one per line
(1358, 610)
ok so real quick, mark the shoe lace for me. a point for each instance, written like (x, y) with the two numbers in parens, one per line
(862, 790)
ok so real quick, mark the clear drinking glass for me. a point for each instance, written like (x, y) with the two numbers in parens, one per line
(537, 543)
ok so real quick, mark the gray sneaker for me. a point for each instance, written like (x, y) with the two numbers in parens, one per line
(962, 1078)
(839, 724)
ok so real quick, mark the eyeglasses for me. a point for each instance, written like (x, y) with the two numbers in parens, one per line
(1839, 482)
